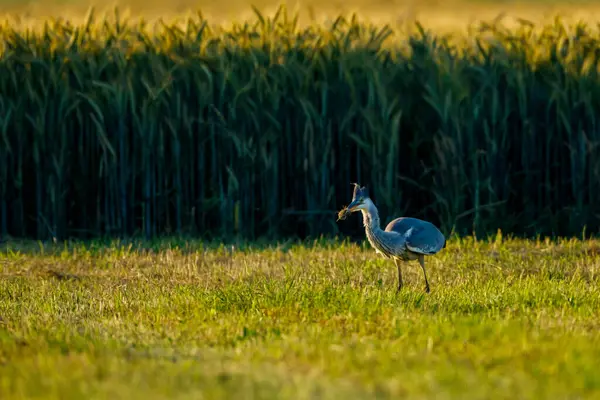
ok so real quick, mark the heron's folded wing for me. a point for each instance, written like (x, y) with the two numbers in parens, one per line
(420, 236)
(425, 239)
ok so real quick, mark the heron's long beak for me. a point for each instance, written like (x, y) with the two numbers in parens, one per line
(352, 207)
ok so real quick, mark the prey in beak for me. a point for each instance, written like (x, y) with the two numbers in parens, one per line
(358, 201)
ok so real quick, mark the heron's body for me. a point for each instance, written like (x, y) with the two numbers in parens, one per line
(403, 239)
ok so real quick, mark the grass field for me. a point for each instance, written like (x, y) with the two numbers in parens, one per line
(505, 319)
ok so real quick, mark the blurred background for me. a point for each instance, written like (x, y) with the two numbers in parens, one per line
(441, 14)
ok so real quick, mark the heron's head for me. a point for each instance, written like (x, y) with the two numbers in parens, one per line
(360, 199)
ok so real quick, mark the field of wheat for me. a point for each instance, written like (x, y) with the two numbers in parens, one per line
(117, 127)
(448, 15)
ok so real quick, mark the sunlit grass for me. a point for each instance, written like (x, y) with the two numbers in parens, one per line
(173, 319)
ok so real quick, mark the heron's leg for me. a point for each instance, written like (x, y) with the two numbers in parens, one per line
(397, 262)
(422, 262)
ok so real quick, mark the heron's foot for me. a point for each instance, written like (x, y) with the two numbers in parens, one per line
(427, 289)
(399, 289)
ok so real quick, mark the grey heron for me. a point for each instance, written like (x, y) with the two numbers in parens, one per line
(403, 239)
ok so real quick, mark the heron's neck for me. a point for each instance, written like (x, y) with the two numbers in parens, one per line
(380, 240)
(371, 217)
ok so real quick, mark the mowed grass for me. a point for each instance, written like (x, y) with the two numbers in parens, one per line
(175, 319)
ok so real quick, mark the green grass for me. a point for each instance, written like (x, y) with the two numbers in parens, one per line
(505, 319)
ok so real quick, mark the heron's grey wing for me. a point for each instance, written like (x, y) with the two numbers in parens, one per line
(421, 236)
